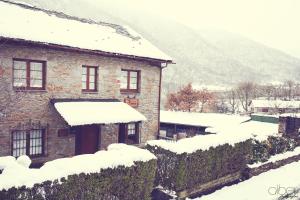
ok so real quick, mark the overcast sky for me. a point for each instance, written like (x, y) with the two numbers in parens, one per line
(275, 23)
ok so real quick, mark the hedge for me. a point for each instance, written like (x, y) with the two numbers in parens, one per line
(263, 150)
(121, 183)
(183, 171)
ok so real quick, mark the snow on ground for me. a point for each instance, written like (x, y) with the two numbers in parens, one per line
(51, 29)
(97, 113)
(278, 157)
(266, 186)
(16, 174)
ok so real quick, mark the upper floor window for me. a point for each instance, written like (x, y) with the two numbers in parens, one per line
(28, 74)
(89, 78)
(130, 80)
(29, 142)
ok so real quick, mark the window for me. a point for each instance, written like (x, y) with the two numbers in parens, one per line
(130, 80)
(29, 143)
(265, 110)
(89, 78)
(29, 74)
(132, 133)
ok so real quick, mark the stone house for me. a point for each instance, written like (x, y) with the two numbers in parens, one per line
(73, 86)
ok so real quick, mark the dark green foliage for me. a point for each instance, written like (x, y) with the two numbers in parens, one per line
(122, 183)
(261, 151)
(280, 144)
(184, 171)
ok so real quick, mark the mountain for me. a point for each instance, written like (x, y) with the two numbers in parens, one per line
(203, 57)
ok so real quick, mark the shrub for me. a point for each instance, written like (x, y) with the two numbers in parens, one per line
(121, 183)
(262, 150)
(184, 171)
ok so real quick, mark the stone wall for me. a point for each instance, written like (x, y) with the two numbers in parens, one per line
(63, 80)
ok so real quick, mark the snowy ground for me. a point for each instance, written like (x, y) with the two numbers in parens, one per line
(270, 185)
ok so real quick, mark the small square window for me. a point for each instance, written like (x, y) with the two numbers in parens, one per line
(130, 80)
(29, 74)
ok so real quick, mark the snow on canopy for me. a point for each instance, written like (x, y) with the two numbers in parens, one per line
(275, 104)
(37, 25)
(200, 119)
(17, 175)
(88, 112)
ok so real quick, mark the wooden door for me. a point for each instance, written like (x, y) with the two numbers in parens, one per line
(87, 139)
(122, 133)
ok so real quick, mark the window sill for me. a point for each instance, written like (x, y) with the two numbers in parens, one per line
(30, 90)
(89, 92)
(129, 92)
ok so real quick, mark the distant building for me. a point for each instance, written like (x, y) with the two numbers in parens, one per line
(274, 106)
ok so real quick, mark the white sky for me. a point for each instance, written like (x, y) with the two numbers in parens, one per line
(275, 23)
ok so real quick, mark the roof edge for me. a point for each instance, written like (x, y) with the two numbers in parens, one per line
(99, 52)
(62, 100)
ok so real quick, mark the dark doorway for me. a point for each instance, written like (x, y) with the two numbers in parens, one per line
(122, 133)
(87, 139)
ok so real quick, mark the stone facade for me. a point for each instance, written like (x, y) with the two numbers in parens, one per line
(63, 80)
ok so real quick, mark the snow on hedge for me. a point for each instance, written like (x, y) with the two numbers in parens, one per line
(17, 175)
(51, 29)
(266, 186)
(200, 142)
(278, 157)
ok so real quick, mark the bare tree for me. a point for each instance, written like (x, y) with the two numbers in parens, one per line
(246, 91)
(233, 101)
(289, 84)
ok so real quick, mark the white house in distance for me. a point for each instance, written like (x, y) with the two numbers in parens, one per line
(274, 106)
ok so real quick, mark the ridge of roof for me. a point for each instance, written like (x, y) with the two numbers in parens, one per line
(119, 29)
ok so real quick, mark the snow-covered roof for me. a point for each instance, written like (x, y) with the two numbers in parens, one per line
(295, 115)
(200, 119)
(91, 112)
(16, 174)
(275, 104)
(251, 129)
(22, 22)
(225, 133)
